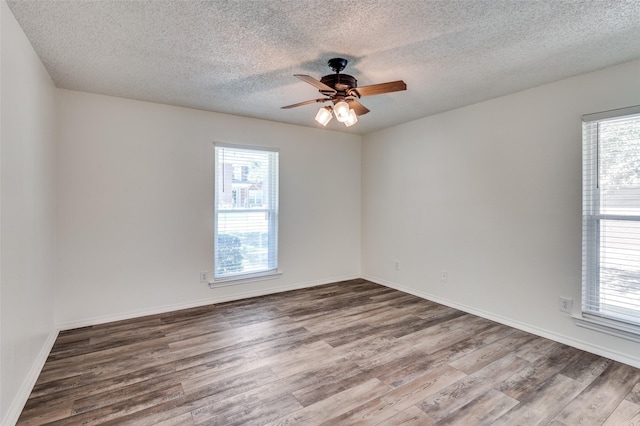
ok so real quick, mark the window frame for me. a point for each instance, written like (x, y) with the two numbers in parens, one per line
(272, 212)
(593, 317)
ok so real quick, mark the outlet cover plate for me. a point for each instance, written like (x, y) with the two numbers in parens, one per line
(566, 305)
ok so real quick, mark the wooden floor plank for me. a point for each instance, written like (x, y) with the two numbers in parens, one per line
(529, 379)
(399, 370)
(400, 399)
(483, 410)
(443, 335)
(248, 408)
(542, 404)
(112, 410)
(185, 419)
(332, 407)
(586, 368)
(454, 397)
(627, 413)
(484, 356)
(345, 353)
(412, 416)
(634, 395)
(602, 396)
(336, 379)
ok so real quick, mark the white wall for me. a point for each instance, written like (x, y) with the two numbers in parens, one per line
(491, 193)
(135, 206)
(26, 215)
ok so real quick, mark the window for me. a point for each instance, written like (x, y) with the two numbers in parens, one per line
(245, 212)
(611, 222)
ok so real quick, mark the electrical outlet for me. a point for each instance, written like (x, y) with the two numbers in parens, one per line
(396, 265)
(566, 304)
(204, 276)
(444, 276)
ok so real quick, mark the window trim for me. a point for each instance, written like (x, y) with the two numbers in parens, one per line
(591, 218)
(245, 278)
(608, 326)
(612, 113)
(242, 277)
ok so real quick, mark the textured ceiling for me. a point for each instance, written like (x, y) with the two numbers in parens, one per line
(239, 57)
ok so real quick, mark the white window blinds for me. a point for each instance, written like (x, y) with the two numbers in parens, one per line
(611, 219)
(245, 212)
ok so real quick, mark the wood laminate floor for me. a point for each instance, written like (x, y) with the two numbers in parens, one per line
(340, 354)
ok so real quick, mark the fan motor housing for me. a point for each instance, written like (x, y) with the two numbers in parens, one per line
(340, 82)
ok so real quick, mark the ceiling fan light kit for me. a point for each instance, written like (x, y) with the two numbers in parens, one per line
(341, 110)
(352, 119)
(324, 115)
(343, 91)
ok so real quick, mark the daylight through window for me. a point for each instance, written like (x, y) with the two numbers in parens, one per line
(611, 219)
(245, 212)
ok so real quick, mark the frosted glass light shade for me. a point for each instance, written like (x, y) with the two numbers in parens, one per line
(353, 118)
(341, 110)
(324, 116)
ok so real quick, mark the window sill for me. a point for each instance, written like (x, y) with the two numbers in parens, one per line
(244, 278)
(614, 328)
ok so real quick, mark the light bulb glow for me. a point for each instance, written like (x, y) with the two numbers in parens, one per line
(324, 116)
(341, 110)
(353, 118)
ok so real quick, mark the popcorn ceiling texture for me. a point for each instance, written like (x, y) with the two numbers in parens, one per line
(239, 57)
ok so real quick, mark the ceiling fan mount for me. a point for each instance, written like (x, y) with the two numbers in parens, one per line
(337, 64)
(343, 91)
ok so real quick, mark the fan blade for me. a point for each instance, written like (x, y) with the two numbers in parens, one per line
(378, 89)
(312, 101)
(324, 89)
(357, 107)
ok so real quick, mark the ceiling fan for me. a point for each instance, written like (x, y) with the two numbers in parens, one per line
(343, 91)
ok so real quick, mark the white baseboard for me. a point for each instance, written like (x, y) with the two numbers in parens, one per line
(560, 338)
(197, 303)
(13, 413)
